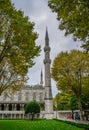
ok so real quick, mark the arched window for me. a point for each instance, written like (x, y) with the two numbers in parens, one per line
(2, 107)
(10, 107)
(18, 107)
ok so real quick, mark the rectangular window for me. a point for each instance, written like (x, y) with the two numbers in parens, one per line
(27, 96)
(19, 97)
(41, 97)
(34, 96)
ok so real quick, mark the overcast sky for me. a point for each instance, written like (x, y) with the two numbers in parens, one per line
(39, 12)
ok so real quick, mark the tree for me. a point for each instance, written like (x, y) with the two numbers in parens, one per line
(85, 104)
(33, 108)
(85, 101)
(73, 17)
(17, 46)
(65, 101)
(71, 72)
(73, 102)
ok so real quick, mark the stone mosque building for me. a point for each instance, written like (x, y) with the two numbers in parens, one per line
(13, 107)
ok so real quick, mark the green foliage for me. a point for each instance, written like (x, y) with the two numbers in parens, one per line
(36, 125)
(80, 125)
(67, 73)
(17, 46)
(63, 102)
(85, 101)
(71, 72)
(66, 101)
(73, 17)
(73, 102)
(33, 108)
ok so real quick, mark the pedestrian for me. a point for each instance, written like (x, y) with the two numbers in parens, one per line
(77, 116)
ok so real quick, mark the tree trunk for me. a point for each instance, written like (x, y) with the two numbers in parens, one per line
(80, 108)
(32, 116)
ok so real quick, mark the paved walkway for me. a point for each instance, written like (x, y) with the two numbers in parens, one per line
(77, 121)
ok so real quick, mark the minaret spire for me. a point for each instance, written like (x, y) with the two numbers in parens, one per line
(47, 61)
(41, 78)
(48, 91)
(46, 35)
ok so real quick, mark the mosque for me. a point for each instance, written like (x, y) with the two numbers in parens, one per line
(13, 107)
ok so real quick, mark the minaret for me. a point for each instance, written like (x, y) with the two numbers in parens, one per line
(41, 78)
(48, 91)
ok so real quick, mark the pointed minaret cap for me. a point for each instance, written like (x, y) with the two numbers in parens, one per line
(41, 78)
(46, 35)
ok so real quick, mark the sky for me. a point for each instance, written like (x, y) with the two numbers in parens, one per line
(39, 13)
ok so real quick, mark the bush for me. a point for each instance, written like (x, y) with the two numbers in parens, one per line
(33, 108)
(80, 125)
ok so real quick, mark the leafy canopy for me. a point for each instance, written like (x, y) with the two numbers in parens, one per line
(71, 71)
(73, 17)
(64, 101)
(17, 46)
(33, 108)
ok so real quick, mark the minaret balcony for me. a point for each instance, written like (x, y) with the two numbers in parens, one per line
(46, 48)
(47, 61)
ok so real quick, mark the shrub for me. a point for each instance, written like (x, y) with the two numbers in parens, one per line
(33, 108)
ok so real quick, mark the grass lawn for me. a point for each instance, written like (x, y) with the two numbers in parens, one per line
(35, 125)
